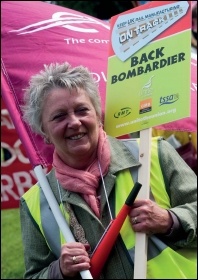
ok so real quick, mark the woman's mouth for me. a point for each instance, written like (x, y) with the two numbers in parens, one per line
(76, 137)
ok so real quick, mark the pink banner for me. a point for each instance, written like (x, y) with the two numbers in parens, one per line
(35, 33)
(17, 175)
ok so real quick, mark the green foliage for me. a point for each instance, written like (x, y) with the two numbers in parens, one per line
(100, 9)
(87, 7)
(12, 260)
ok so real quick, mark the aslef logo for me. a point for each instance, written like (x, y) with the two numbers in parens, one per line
(63, 19)
(146, 90)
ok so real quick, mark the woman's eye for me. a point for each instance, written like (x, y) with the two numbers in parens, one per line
(58, 117)
(82, 110)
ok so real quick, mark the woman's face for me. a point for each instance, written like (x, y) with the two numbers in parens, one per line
(71, 124)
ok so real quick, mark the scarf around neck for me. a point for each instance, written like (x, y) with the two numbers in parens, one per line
(85, 182)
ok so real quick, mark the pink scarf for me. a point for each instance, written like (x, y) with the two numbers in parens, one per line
(85, 182)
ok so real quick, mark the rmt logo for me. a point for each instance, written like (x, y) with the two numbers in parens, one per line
(122, 113)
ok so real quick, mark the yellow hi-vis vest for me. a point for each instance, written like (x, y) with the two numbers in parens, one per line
(162, 261)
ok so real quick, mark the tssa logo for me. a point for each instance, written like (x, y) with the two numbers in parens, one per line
(169, 99)
(123, 112)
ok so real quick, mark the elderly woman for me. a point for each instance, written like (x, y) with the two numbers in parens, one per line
(91, 180)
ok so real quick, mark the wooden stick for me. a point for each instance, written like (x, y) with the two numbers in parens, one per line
(140, 259)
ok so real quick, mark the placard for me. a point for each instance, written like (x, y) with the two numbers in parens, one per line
(148, 77)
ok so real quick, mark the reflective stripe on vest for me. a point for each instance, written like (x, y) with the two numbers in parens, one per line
(50, 226)
(44, 218)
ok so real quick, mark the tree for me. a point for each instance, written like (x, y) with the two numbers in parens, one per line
(101, 9)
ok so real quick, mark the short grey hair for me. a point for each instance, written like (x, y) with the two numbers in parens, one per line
(57, 75)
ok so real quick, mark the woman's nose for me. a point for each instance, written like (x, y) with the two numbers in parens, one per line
(73, 121)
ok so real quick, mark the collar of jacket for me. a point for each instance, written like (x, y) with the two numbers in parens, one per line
(121, 157)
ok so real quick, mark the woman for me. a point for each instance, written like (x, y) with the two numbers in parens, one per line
(62, 104)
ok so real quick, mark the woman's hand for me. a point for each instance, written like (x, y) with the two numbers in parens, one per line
(74, 258)
(146, 216)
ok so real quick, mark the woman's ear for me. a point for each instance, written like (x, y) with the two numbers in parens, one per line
(100, 123)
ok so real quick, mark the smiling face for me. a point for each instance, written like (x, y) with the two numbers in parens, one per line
(71, 124)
